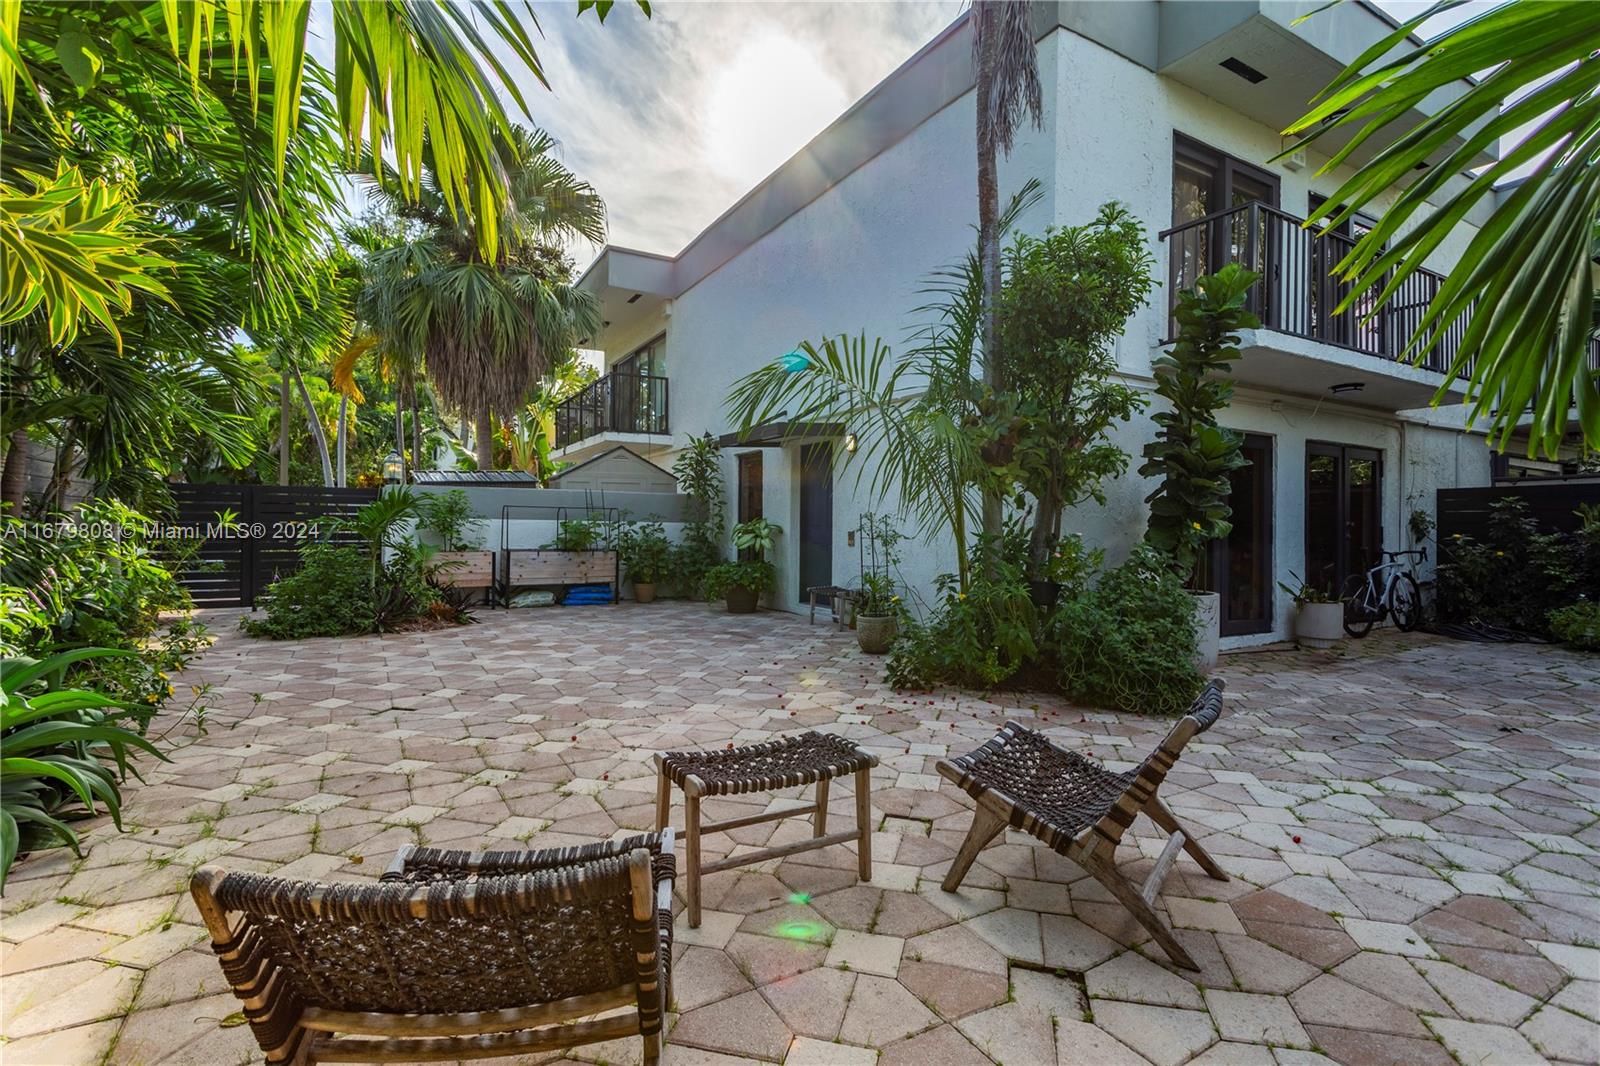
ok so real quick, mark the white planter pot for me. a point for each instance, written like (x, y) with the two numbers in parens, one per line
(1319, 625)
(1207, 629)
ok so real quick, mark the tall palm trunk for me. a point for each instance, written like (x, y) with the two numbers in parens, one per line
(14, 481)
(417, 462)
(985, 50)
(317, 434)
(484, 432)
(340, 439)
(283, 426)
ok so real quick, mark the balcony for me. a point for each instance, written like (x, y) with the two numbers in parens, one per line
(1298, 290)
(1296, 298)
(616, 403)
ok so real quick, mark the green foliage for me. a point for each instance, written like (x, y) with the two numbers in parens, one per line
(407, 588)
(978, 637)
(698, 469)
(1577, 624)
(757, 575)
(879, 592)
(755, 537)
(1525, 285)
(450, 517)
(1124, 637)
(1516, 576)
(65, 751)
(330, 595)
(644, 551)
(878, 596)
(1302, 592)
(1065, 300)
(586, 533)
(1191, 454)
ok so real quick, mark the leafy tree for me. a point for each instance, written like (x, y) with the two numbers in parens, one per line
(1066, 298)
(488, 328)
(1191, 454)
(1525, 287)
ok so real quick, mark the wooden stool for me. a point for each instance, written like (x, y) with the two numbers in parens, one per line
(786, 763)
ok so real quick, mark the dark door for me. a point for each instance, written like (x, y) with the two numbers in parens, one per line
(816, 517)
(1344, 514)
(1239, 566)
(750, 491)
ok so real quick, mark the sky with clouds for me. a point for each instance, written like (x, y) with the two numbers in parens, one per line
(675, 117)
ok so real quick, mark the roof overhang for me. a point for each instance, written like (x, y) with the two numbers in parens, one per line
(778, 434)
(1298, 59)
(631, 286)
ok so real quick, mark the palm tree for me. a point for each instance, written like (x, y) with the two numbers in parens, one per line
(1526, 285)
(1006, 76)
(486, 330)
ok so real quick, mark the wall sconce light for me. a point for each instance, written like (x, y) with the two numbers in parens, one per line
(850, 443)
(392, 467)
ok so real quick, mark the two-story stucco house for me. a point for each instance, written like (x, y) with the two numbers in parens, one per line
(1169, 106)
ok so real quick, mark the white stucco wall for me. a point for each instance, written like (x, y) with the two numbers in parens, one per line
(851, 261)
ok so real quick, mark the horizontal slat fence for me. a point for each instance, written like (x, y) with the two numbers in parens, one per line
(233, 567)
(1552, 504)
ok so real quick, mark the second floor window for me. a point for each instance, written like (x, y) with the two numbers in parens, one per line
(1207, 182)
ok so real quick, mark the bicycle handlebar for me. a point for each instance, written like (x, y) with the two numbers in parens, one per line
(1421, 553)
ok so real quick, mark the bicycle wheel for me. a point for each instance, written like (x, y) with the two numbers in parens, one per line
(1405, 602)
(1360, 612)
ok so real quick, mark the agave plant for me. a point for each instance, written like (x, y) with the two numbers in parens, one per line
(53, 745)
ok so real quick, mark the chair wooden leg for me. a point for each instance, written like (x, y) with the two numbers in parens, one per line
(691, 804)
(864, 821)
(986, 825)
(1106, 873)
(652, 1048)
(1169, 823)
(819, 820)
(663, 798)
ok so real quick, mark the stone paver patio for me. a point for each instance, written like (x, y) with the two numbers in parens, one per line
(1411, 826)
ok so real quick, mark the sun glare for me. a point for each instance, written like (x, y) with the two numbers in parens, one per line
(771, 97)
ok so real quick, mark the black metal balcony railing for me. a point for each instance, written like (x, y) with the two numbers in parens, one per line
(617, 403)
(1298, 291)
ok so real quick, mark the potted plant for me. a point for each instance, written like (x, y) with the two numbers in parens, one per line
(645, 556)
(1192, 455)
(1318, 617)
(877, 614)
(461, 561)
(742, 583)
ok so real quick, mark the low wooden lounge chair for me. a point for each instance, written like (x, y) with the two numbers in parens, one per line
(1081, 809)
(456, 955)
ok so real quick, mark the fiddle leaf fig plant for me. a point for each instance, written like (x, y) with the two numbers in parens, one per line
(1191, 454)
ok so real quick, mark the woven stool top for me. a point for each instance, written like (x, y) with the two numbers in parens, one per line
(784, 763)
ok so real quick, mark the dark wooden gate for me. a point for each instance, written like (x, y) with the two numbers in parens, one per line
(236, 563)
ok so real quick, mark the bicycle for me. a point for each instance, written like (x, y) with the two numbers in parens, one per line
(1385, 590)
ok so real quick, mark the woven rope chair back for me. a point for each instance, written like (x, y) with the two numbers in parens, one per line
(1201, 715)
(441, 948)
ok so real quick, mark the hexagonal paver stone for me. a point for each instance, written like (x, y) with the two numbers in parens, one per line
(807, 1052)
(944, 1045)
(743, 1025)
(866, 952)
(1011, 1032)
(1130, 976)
(1564, 1035)
(1331, 1000)
(1389, 937)
(812, 1003)
(1256, 1019)
(882, 1011)
(416, 814)
(1485, 1045)
(1164, 1035)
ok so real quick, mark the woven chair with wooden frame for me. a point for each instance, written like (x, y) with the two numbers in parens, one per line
(1081, 809)
(455, 955)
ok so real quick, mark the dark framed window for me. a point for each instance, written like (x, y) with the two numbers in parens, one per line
(649, 359)
(749, 486)
(1239, 566)
(1205, 180)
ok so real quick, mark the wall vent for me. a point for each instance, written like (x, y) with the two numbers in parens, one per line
(1243, 69)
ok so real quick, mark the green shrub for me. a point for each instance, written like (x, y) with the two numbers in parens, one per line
(329, 596)
(977, 638)
(406, 589)
(1577, 624)
(450, 517)
(66, 749)
(580, 534)
(698, 469)
(1124, 637)
(754, 574)
(644, 551)
(1516, 576)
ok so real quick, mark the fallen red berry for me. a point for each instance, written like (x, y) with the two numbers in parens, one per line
(1297, 840)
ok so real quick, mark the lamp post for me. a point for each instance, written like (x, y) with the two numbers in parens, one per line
(393, 465)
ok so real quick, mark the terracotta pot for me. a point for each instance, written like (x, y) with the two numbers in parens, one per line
(644, 591)
(1319, 625)
(875, 632)
(1207, 629)
(740, 600)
